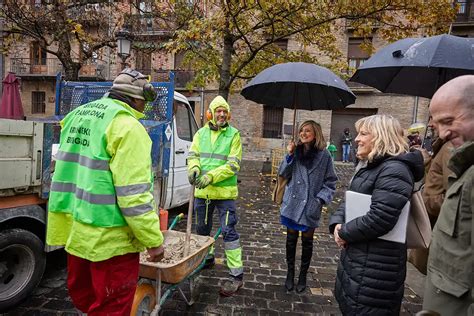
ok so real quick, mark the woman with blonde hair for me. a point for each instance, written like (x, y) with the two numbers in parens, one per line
(371, 271)
(311, 183)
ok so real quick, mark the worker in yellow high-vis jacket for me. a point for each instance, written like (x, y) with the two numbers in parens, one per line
(101, 206)
(213, 163)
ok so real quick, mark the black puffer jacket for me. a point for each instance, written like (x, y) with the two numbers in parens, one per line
(371, 271)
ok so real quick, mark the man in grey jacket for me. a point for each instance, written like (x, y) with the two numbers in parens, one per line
(450, 279)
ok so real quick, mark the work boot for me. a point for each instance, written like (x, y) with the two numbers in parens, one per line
(291, 241)
(209, 262)
(231, 286)
(306, 254)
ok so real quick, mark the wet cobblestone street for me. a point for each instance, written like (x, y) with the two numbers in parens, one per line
(263, 240)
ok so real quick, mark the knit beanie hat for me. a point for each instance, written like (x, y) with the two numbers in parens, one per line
(130, 83)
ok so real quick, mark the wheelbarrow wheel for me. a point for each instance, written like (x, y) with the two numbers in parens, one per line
(144, 300)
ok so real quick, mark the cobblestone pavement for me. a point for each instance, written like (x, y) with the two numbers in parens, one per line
(263, 241)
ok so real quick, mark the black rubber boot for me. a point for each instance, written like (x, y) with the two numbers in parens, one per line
(306, 254)
(291, 241)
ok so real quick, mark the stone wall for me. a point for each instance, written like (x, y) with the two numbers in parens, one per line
(26, 89)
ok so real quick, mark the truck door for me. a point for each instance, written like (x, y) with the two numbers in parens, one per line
(184, 127)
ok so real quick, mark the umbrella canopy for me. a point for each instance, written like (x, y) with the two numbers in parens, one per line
(299, 85)
(11, 107)
(418, 66)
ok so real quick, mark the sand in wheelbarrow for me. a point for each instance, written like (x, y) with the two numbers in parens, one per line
(174, 249)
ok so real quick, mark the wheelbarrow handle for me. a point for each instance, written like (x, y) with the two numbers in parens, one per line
(176, 220)
(217, 233)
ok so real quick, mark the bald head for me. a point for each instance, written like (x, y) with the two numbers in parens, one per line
(452, 110)
(461, 88)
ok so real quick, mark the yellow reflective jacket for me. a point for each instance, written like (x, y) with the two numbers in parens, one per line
(221, 173)
(129, 146)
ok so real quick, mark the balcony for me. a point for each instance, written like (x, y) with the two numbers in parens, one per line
(181, 77)
(29, 67)
(49, 67)
(146, 26)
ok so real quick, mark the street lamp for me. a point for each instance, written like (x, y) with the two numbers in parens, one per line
(124, 43)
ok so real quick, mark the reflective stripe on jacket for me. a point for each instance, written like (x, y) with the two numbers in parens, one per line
(81, 215)
(217, 153)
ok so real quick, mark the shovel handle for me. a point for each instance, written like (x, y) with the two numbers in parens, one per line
(189, 222)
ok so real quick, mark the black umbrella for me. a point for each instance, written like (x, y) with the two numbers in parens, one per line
(301, 86)
(418, 66)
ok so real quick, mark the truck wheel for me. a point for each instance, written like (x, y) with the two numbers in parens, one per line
(22, 263)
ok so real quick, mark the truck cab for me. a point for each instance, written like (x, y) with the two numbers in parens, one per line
(27, 151)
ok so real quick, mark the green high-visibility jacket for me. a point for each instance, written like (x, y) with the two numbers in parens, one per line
(101, 203)
(218, 154)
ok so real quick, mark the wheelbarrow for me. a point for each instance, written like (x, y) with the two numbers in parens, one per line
(158, 280)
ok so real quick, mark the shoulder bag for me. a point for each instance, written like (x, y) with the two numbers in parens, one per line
(418, 227)
(279, 190)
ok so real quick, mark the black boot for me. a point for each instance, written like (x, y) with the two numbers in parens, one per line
(306, 254)
(291, 241)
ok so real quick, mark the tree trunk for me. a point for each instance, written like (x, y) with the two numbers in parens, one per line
(224, 81)
(71, 70)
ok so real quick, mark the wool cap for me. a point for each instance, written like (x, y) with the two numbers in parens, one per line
(130, 83)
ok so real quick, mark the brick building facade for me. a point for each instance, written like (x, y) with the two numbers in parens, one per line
(262, 129)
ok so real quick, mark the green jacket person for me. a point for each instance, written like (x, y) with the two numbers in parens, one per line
(213, 163)
(101, 206)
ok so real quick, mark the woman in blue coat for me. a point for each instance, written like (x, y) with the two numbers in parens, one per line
(311, 184)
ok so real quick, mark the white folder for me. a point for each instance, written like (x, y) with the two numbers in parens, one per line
(358, 204)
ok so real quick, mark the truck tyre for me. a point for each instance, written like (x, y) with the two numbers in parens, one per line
(22, 263)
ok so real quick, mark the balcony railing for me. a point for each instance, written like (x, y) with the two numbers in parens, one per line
(27, 66)
(181, 77)
(145, 25)
(51, 66)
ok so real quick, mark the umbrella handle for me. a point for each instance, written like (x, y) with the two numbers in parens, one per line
(295, 97)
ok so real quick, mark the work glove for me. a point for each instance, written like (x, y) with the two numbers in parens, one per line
(193, 174)
(203, 181)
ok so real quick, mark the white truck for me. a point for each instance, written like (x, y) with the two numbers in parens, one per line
(26, 149)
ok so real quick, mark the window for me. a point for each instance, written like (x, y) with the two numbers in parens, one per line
(183, 73)
(282, 44)
(272, 121)
(462, 7)
(145, 11)
(143, 62)
(355, 55)
(38, 104)
(86, 47)
(185, 125)
(37, 54)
